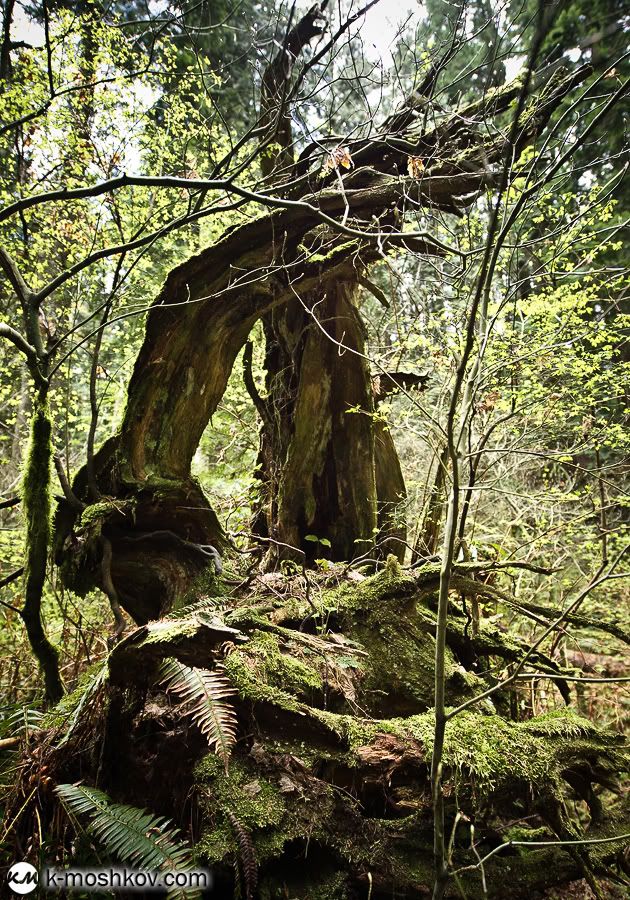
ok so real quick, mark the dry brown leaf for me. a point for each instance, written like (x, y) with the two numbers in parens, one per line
(338, 158)
(415, 166)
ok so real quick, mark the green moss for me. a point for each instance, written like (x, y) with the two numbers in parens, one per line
(36, 481)
(36, 510)
(252, 799)
(246, 617)
(561, 723)
(261, 671)
(281, 668)
(271, 817)
(393, 568)
(270, 843)
(495, 754)
(487, 751)
(339, 250)
(216, 844)
(242, 673)
(382, 613)
(95, 513)
(483, 755)
(168, 631)
(523, 833)
(67, 707)
(493, 751)
(159, 485)
(352, 731)
(390, 585)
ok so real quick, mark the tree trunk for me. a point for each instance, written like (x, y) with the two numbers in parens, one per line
(36, 508)
(194, 332)
(329, 469)
(319, 433)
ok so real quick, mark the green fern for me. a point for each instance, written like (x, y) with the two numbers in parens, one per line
(130, 834)
(88, 697)
(205, 694)
(19, 721)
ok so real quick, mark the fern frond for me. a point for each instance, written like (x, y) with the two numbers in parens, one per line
(205, 693)
(94, 683)
(205, 606)
(19, 720)
(247, 853)
(130, 834)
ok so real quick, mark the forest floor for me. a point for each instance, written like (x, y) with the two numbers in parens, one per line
(580, 890)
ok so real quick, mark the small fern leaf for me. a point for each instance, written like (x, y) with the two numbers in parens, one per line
(205, 693)
(247, 854)
(89, 697)
(130, 834)
(19, 721)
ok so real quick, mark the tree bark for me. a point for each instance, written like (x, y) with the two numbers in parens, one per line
(199, 323)
(320, 428)
(328, 466)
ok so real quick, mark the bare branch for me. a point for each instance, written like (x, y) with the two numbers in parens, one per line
(18, 341)
(11, 270)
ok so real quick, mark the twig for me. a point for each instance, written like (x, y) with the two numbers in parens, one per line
(8, 579)
(576, 843)
(68, 493)
(108, 586)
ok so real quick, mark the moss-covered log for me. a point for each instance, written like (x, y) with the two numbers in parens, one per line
(327, 792)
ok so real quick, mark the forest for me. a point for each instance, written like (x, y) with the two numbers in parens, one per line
(314, 449)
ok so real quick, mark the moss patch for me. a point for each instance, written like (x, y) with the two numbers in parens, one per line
(262, 671)
(68, 706)
(384, 616)
(93, 515)
(246, 794)
(484, 756)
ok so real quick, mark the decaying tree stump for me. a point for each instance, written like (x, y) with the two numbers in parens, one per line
(296, 267)
(326, 791)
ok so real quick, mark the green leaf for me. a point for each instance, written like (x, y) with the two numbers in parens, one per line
(205, 693)
(130, 834)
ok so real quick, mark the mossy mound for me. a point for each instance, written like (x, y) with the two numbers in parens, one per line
(363, 802)
(327, 792)
(317, 779)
